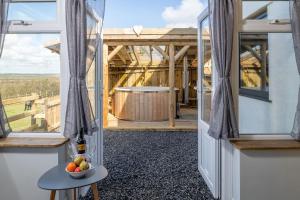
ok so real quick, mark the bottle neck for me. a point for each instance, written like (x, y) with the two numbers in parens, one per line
(81, 133)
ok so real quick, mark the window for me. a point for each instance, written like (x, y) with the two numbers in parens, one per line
(254, 66)
(32, 10)
(268, 70)
(30, 67)
(30, 82)
(206, 71)
(265, 10)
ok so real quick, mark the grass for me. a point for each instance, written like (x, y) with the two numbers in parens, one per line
(20, 124)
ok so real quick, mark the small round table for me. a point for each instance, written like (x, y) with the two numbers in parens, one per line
(57, 179)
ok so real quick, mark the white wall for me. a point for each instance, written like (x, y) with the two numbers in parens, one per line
(277, 116)
(260, 174)
(269, 175)
(20, 169)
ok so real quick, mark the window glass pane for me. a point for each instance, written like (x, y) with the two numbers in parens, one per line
(275, 116)
(254, 62)
(206, 67)
(204, 2)
(30, 83)
(256, 10)
(32, 11)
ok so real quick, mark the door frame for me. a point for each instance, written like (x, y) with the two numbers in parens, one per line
(215, 188)
(99, 104)
(98, 88)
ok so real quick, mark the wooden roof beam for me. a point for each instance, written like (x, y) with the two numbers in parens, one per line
(114, 52)
(122, 57)
(253, 52)
(162, 52)
(135, 55)
(149, 42)
(125, 50)
(182, 52)
(151, 56)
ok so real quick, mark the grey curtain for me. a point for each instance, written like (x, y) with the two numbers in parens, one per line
(223, 122)
(295, 23)
(78, 113)
(4, 126)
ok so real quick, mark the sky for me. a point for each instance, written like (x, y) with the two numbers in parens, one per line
(26, 53)
(152, 13)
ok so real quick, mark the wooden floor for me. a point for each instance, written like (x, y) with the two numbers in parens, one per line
(186, 122)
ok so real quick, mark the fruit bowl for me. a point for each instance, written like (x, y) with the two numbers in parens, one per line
(81, 173)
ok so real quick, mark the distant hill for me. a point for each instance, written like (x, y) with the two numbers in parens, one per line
(16, 85)
(27, 76)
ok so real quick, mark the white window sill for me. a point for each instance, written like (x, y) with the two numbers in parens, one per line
(264, 137)
(35, 135)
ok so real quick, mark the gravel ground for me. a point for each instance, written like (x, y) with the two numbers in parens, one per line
(151, 165)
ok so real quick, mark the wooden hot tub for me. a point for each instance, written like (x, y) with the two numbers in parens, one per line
(141, 103)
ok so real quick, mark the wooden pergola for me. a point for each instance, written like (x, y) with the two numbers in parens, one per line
(120, 43)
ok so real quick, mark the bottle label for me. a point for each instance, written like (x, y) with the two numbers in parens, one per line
(81, 147)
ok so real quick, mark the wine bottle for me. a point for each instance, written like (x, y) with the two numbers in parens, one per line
(81, 143)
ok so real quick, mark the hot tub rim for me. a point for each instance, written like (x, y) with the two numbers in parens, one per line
(128, 90)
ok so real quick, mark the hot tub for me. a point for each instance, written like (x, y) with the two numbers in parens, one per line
(141, 103)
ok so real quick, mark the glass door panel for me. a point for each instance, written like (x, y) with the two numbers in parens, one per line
(206, 71)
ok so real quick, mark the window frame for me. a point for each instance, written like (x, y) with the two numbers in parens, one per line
(59, 27)
(214, 79)
(262, 25)
(39, 26)
(258, 26)
(255, 26)
(247, 92)
(48, 27)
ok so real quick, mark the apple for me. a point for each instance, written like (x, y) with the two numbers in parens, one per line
(77, 169)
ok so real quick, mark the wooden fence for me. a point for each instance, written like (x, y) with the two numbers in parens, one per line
(45, 110)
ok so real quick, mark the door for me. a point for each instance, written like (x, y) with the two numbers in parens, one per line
(94, 85)
(208, 147)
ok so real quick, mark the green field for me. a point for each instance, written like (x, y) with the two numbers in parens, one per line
(16, 109)
(20, 124)
(20, 85)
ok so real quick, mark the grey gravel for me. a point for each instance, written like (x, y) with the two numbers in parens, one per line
(151, 165)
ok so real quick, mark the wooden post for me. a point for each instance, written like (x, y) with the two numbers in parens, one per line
(263, 72)
(105, 85)
(95, 191)
(74, 194)
(185, 80)
(44, 122)
(33, 109)
(171, 85)
(52, 194)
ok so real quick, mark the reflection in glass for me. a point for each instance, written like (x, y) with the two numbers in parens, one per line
(276, 115)
(260, 10)
(206, 71)
(254, 61)
(30, 83)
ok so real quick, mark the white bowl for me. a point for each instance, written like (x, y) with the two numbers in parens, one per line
(81, 173)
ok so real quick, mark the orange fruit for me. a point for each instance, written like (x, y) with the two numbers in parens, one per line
(71, 167)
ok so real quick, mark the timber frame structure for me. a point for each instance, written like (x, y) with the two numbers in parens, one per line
(177, 47)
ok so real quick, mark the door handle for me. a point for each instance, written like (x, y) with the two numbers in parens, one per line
(22, 23)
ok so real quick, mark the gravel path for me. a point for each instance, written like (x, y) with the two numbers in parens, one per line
(151, 165)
